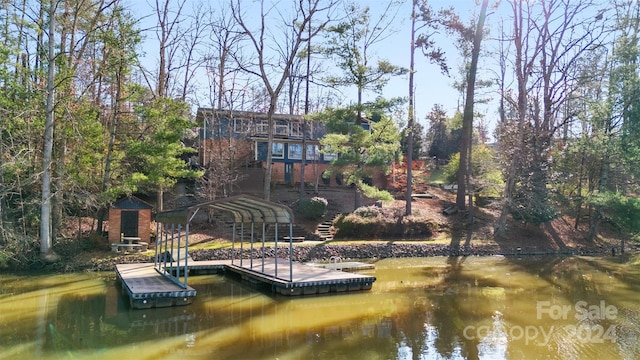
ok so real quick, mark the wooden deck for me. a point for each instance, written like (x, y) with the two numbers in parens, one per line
(147, 288)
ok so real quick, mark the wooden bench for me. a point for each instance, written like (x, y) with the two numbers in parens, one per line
(294, 239)
(129, 247)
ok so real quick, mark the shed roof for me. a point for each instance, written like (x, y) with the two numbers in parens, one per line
(244, 208)
(131, 202)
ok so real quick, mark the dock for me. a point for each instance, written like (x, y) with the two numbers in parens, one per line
(344, 265)
(300, 279)
(147, 288)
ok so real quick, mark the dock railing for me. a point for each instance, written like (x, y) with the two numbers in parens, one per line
(170, 259)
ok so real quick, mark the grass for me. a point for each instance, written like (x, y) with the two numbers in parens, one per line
(227, 244)
(437, 177)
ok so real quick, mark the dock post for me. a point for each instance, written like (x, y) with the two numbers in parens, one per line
(186, 255)
(290, 252)
(158, 236)
(251, 251)
(233, 244)
(178, 259)
(264, 228)
(241, 242)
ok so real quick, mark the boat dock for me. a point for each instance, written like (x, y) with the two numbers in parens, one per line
(344, 265)
(147, 287)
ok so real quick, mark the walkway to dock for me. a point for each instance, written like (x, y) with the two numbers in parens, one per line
(147, 288)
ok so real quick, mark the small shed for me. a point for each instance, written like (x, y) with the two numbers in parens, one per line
(130, 217)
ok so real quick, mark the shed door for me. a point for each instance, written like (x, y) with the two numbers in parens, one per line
(129, 223)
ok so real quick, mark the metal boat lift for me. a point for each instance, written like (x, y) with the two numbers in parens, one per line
(172, 230)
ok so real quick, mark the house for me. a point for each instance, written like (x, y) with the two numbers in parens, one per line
(243, 135)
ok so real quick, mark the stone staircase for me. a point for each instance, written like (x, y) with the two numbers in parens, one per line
(323, 229)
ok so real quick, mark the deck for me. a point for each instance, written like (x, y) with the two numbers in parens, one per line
(147, 288)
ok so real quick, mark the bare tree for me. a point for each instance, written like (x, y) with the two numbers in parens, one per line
(282, 58)
(425, 23)
(464, 170)
(46, 242)
(549, 38)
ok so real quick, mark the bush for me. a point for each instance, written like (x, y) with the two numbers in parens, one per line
(372, 222)
(312, 209)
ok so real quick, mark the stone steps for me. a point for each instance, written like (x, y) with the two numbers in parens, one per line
(324, 228)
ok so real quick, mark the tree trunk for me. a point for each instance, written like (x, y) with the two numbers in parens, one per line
(110, 148)
(269, 166)
(303, 163)
(522, 75)
(412, 52)
(46, 242)
(464, 169)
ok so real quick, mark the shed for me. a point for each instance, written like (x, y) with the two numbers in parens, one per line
(130, 217)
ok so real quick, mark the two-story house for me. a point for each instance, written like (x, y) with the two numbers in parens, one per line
(247, 133)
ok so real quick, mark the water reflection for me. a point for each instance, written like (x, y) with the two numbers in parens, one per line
(448, 308)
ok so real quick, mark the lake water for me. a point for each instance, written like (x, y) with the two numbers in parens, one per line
(424, 308)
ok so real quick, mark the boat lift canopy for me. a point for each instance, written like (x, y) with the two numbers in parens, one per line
(245, 209)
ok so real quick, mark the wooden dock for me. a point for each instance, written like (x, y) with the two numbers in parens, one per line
(300, 279)
(148, 288)
(344, 265)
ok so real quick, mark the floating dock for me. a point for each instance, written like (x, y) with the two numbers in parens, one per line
(147, 288)
(300, 279)
(344, 265)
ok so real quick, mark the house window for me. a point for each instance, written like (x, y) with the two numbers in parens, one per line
(296, 129)
(313, 152)
(295, 151)
(327, 155)
(277, 150)
(262, 127)
(241, 126)
(281, 129)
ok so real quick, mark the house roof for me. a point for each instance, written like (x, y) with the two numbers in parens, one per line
(244, 209)
(235, 114)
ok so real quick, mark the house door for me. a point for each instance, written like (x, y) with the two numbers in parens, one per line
(288, 173)
(129, 223)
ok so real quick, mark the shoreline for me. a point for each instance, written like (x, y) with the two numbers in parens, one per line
(324, 252)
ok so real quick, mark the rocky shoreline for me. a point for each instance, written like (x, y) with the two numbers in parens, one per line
(383, 251)
(322, 252)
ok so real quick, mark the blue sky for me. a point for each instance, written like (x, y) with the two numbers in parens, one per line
(431, 86)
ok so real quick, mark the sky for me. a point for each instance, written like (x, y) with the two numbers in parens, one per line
(431, 86)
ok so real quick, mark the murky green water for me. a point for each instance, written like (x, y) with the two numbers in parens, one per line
(427, 308)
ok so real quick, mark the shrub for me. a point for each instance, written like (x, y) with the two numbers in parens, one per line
(312, 209)
(372, 222)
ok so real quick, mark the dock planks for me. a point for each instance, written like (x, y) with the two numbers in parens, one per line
(344, 265)
(306, 280)
(148, 288)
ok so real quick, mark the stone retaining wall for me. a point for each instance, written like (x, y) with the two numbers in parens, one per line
(382, 251)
